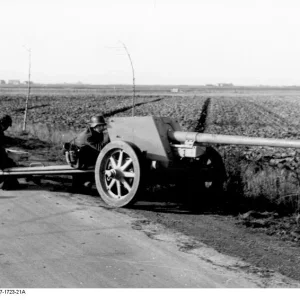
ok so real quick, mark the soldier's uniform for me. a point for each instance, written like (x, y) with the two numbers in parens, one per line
(6, 183)
(90, 143)
(5, 161)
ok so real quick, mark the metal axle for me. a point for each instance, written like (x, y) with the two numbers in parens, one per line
(43, 170)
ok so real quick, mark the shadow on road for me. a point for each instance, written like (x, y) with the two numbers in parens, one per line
(158, 200)
(7, 197)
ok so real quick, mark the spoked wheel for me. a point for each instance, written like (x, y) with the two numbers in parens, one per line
(118, 173)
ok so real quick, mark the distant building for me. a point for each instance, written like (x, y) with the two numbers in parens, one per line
(174, 90)
(14, 81)
(2, 82)
(225, 85)
(26, 82)
(210, 85)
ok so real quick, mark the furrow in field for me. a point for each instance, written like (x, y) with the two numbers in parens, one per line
(184, 109)
(201, 125)
(246, 117)
(284, 108)
(262, 121)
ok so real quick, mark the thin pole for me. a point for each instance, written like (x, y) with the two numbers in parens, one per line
(28, 91)
(133, 78)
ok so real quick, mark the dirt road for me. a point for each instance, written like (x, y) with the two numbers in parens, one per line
(57, 239)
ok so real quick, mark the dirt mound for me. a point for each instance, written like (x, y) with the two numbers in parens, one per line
(285, 228)
(38, 150)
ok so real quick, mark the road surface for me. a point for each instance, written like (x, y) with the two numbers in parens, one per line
(51, 239)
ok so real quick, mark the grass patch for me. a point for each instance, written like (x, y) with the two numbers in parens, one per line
(46, 132)
(252, 185)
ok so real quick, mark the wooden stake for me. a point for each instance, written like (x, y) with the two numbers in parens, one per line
(28, 91)
(133, 78)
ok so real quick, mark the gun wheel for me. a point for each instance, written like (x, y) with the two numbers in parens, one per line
(214, 173)
(205, 185)
(118, 173)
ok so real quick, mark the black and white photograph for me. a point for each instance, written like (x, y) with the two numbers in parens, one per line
(149, 144)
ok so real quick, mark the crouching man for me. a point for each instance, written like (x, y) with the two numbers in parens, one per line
(6, 162)
(90, 142)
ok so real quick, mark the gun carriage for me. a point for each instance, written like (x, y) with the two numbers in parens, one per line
(150, 150)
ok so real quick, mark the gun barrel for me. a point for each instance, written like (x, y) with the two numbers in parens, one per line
(181, 136)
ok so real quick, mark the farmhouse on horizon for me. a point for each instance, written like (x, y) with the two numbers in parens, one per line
(14, 81)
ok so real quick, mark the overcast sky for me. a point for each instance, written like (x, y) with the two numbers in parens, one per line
(170, 41)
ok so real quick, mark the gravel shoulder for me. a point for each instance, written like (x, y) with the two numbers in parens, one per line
(264, 254)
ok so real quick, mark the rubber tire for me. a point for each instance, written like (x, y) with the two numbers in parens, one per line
(219, 168)
(199, 196)
(135, 154)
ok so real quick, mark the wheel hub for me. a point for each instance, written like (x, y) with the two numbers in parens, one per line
(115, 174)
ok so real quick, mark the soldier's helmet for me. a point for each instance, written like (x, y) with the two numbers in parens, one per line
(97, 120)
(6, 121)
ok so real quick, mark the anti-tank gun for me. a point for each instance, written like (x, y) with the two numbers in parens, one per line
(151, 150)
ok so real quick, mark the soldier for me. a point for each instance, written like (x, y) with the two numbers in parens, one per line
(5, 122)
(5, 161)
(90, 142)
